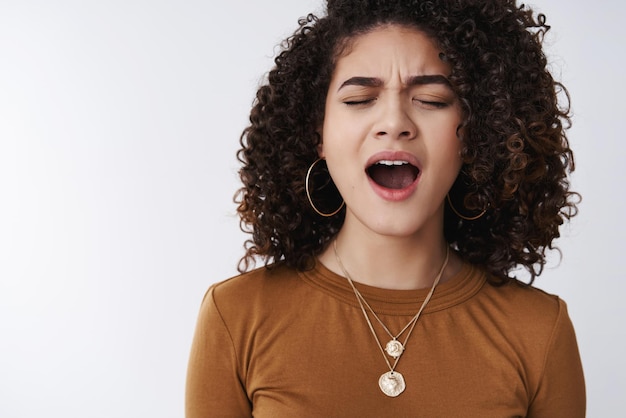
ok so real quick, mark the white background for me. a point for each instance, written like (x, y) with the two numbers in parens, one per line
(119, 123)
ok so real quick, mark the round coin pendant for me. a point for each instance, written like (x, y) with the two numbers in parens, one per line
(394, 348)
(392, 384)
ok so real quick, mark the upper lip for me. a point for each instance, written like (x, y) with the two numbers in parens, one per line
(388, 155)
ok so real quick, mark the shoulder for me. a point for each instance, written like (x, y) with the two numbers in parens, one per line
(263, 280)
(532, 320)
(526, 315)
(511, 301)
(523, 301)
(254, 292)
(540, 329)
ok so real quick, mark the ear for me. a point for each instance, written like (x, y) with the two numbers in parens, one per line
(320, 151)
(320, 146)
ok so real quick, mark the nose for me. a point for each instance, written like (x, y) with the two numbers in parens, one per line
(394, 121)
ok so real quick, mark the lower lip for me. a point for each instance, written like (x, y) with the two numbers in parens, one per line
(394, 195)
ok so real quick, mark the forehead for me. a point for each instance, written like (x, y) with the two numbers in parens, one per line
(388, 49)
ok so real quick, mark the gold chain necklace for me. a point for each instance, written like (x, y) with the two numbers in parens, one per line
(392, 382)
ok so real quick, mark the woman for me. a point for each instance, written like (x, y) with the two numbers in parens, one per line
(402, 160)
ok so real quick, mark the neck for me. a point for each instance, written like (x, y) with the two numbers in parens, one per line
(402, 263)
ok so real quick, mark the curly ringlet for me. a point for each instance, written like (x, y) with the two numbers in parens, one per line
(515, 150)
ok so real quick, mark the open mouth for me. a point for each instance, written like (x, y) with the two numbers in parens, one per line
(395, 175)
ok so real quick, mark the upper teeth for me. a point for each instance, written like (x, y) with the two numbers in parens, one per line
(389, 162)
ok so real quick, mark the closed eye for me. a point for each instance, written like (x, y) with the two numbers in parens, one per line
(429, 104)
(359, 102)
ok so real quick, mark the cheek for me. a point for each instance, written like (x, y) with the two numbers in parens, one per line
(452, 139)
(446, 150)
(444, 134)
(454, 155)
(334, 154)
(335, 141)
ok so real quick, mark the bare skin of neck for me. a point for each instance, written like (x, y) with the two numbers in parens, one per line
(391, 262)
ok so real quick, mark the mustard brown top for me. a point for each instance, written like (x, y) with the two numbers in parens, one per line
(282, 343)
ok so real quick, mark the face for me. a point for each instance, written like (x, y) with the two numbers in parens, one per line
(390, 132)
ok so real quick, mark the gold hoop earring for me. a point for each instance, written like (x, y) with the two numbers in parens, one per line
(308, 193)
(465, 218)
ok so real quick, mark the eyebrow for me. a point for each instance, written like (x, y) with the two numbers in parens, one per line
(416, 80)
(362, 81)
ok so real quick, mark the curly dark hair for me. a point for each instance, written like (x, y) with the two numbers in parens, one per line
(516, 156)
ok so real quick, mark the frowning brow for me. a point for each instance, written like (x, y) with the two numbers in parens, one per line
(362, 81)
(416, 80)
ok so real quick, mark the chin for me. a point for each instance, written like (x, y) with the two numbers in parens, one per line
(398, 228)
